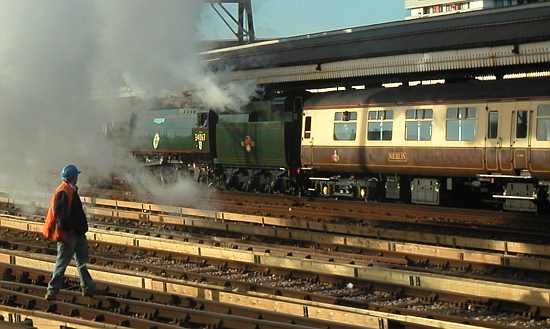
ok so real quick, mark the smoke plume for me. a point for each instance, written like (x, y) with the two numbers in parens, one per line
(46, 64)
(61, 64)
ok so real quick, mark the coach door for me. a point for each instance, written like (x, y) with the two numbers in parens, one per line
(307, 142)
(501, 125)
(521, 140)
(493, 141)
(499, 137)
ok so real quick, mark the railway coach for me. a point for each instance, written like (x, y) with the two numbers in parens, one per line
(432, 144)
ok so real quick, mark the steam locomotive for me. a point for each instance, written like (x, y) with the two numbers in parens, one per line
(433, 144)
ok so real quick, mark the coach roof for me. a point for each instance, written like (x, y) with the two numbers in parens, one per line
(432, 94)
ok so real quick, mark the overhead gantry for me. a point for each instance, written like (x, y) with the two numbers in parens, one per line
(242, 24)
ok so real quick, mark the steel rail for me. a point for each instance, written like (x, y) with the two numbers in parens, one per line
(534, 296)
(325, 210)
(162, 308)
(229, 281)
(24, 300)
(346, 234)
(15, 318)
(452, 247)
(257, 300)
(444, 246)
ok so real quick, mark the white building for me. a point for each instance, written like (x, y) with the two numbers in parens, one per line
(429, 8)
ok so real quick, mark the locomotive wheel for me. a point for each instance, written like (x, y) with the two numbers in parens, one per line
(267, 184)
(221, 183)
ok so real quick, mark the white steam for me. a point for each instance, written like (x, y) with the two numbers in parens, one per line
(46, 64)
(59, 57)
(151, 42)
(154, 48)
(233, 96)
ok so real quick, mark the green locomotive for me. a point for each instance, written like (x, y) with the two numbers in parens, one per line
(254, 148)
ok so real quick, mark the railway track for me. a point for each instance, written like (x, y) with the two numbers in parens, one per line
(352, 213)
(139, 218)
(140, 308)
(328, 209)
(225, 256)
(258, 300)
(479, 248)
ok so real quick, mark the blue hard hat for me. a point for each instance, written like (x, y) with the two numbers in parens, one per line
(69, 171)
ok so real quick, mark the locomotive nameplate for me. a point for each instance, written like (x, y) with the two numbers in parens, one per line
(397, 156)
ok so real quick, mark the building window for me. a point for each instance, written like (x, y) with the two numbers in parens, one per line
(380, 125)
(543, 123)
(461, 124)
(492, 128)
(307, 127)
(345, 126)
(522, 124)
(418, 125)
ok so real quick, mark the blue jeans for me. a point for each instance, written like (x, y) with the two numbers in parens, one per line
(77, 247)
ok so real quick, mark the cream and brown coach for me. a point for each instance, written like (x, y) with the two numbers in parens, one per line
(428, 144)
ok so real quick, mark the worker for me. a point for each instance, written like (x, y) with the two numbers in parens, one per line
(67, 225)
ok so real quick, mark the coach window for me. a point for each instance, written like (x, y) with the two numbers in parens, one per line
(380, 125)
(543, 123)
(522, 124)
(345, 126)
(492, 128)
(461, 124)
(307, 127)
(418, 125)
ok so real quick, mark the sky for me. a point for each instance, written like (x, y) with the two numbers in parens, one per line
(283, 18)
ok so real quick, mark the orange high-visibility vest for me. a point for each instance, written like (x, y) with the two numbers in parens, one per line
(51, 230)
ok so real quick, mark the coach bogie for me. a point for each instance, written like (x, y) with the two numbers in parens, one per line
(345, 188)
(425, 191)
(393, 188)
(520, 197)
(337, 186)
